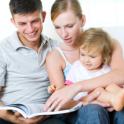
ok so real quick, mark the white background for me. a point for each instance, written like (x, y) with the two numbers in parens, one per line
(99, 13)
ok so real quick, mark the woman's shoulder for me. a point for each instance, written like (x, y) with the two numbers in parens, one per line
(117, 54)
(55, 56)
(117, 48)
(115, 43)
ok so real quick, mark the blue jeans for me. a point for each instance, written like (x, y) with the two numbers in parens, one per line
(93, 114)
(117, 117)
(89, 114)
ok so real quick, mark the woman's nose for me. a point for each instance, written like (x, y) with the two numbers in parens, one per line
(64, 33)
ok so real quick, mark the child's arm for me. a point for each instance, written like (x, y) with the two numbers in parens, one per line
(52, 87)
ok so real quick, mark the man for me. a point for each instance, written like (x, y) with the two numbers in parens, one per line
(23, 78)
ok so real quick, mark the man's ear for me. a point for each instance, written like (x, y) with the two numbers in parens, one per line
(43, 15)
(12, 21)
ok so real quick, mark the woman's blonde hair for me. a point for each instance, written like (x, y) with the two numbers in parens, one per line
(60, 6)
(99, 40)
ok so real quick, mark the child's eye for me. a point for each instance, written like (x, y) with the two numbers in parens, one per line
(82, 54)
(92, 56)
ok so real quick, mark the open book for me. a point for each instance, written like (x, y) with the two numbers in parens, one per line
(32, 110)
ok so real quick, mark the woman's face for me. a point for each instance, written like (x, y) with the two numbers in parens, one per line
(68, 26)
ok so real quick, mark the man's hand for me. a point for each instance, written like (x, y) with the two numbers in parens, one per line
(33, 120)
(9, 116)
(16, 118)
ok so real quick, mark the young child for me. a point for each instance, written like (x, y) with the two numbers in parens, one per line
(95, 55)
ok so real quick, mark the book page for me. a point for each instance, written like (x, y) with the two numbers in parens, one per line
(32, 110)
(16, 108)
(76, 107)
(24, 109)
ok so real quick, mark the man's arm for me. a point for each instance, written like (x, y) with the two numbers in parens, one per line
(16, 118)
(7, 115)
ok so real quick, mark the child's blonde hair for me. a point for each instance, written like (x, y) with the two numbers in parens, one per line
(99, 40)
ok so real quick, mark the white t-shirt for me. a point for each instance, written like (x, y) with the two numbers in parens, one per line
(78, 73)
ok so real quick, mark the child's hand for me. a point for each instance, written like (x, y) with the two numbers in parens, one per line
(51, 88)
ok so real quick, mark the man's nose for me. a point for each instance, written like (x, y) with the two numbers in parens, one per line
(30, 28)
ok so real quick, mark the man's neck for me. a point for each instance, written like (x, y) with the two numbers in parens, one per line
(34, 45)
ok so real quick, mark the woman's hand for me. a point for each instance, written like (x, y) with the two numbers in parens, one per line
(60, 97)
(93, 98)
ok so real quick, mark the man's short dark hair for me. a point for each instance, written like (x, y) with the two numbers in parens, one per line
(24, 6)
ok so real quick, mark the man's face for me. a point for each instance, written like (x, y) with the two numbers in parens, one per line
(29, 26)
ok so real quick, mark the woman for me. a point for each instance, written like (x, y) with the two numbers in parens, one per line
(68, 20)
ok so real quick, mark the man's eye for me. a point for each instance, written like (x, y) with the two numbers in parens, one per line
(36, 21)
(22, 24)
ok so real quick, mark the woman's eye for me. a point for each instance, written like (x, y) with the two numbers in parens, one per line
(56, 27)
(70, 26)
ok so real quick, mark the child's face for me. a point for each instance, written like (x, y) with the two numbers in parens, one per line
(91, 60)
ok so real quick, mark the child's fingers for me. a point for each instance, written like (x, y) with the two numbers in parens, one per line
(51, 88)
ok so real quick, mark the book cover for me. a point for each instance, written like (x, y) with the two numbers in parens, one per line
(32, 110)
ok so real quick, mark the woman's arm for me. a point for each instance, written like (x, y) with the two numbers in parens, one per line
(55, 65)
(62, 96)
(115, 76)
